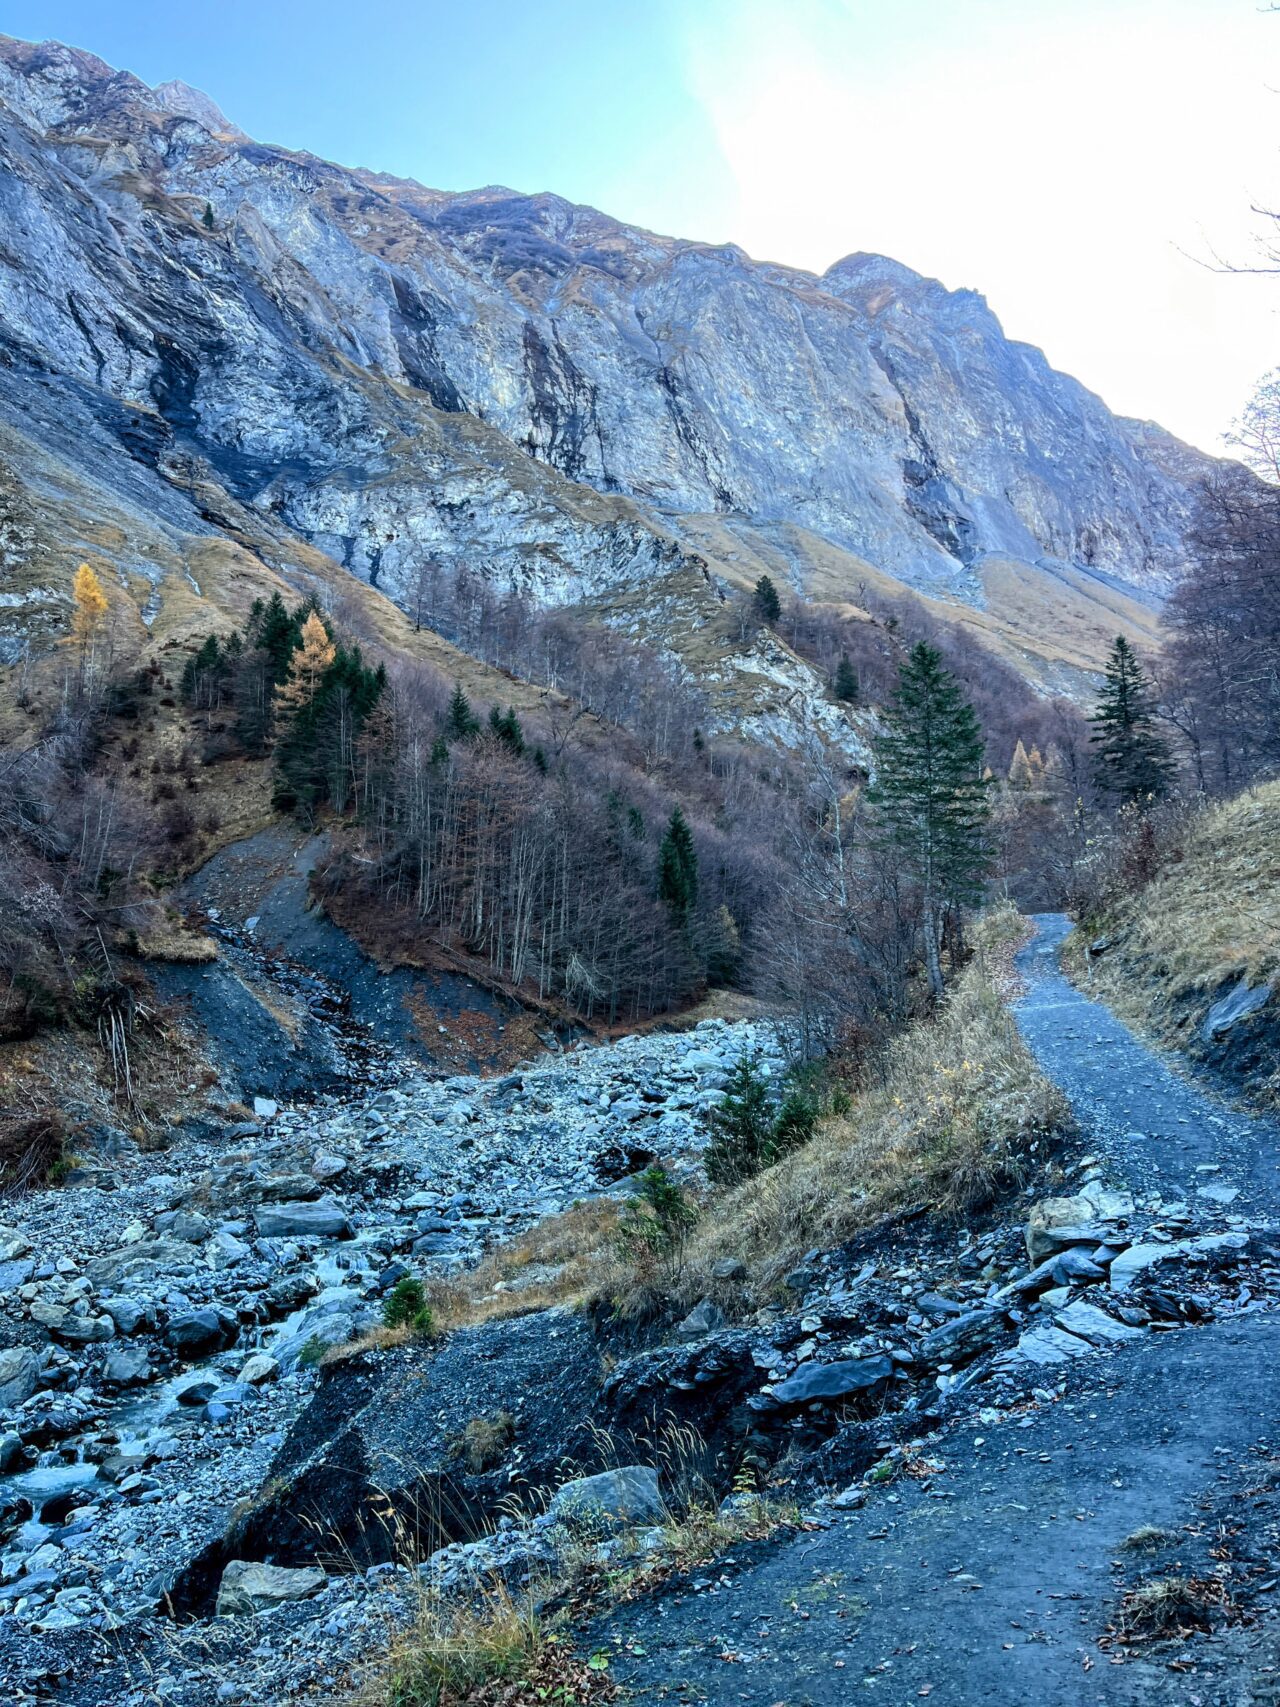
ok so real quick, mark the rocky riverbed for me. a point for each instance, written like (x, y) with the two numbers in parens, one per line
(163, 1312)
(193, 1512)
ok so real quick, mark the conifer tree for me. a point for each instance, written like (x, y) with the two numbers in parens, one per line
(307, 666)
(844, 683)
(932, 794)
(765, 601)
(88, 615)
(678, 868)
(1131, 757)
(460, 721)
(207, 216)
(1021, 774)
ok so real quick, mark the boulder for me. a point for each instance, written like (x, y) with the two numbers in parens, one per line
(1087, 1322)
(1240, 1003)
(290, 1188)
(1224, 1247)
(323, 1219)
(1086, 1219)
(198, 1333)
(19, 1370)
(259, 1369)
(833, 1381)
(611, 1500)
(249, 1587)
(13, 1454)
(1045, 1345)
(13, 1244)
(962, 1337)
(183, 1224)
(126, 1366)
(197, 1390)
(84, 1330)
(129, 1316)
(705, 1318)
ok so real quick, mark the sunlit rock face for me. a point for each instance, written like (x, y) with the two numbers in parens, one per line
(516, 383)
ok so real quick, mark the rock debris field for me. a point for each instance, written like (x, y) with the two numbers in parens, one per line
(162, 1312)
(972, 1422)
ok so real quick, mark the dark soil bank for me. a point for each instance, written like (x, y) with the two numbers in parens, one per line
(292, 991)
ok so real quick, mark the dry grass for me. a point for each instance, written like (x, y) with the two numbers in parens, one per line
(1166, 1606)
(1210, 918)
(559, 1261)
(493, 1652)
(958, 1117)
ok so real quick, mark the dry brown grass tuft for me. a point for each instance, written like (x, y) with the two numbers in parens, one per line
(558, 1261)
(494, 1652)
(958, 1117)
(1166, 1606)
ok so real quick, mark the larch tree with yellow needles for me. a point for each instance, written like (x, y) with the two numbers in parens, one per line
(307, 666)
(88, 618)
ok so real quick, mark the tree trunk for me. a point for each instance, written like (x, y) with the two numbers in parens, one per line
(932, 955)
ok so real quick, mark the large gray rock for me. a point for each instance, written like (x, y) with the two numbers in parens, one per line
(1239, 1004)
(963, 1337)
(248, 1587)
(1085, 1219)
(613, 1499)
(1087, 1322)
(126, 1366)
(1220, 1247)
(197, 1333)
(323, 1219)
(833, 1381)
(19, 1371)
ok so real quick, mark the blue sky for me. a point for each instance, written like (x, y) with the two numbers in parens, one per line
(1075, 160)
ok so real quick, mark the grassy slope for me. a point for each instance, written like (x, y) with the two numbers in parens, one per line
(1211, 918)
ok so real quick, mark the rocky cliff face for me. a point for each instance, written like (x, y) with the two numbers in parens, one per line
(516, 382)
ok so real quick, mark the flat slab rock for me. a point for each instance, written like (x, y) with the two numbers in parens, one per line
(249, 1587)
(1131, 1263)
(833, 1380)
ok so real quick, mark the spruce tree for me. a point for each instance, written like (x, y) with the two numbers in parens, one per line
(678, 868)
(765, 601)
(459, 721)
(1131, 758)
(844, 683)
(931, 791)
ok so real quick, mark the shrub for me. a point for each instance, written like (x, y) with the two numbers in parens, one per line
(406, 1306)
(657, 1219)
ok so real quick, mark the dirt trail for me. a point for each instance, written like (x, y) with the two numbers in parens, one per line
(993, 1582)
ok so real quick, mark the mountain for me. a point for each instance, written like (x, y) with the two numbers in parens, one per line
(239, 341)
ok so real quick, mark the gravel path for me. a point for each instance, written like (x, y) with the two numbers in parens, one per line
(993, 1580)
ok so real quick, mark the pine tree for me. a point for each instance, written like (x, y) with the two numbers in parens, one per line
(844, 683)
(765, 601)
(460, 721)
(930, 789)
(207, 216)
(1131, 759)
(678, 868)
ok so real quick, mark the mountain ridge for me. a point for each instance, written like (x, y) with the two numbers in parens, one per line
(528, 388)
